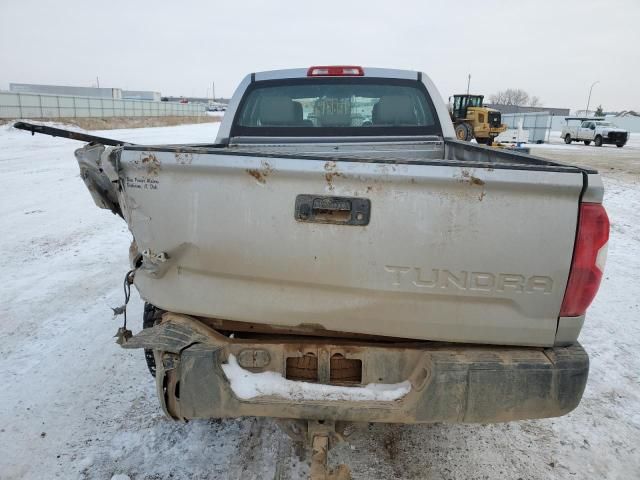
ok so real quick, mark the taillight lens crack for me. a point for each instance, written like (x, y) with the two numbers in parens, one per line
(589, 256)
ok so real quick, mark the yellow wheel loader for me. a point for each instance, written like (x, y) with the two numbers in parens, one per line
(472, 120)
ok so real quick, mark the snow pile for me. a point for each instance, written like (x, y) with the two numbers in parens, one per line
(246, 385)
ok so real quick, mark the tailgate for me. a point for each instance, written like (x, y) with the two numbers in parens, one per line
(443, 252)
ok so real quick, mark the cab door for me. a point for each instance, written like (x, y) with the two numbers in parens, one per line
(586, 131)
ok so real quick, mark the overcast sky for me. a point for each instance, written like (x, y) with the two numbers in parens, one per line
(552, 49)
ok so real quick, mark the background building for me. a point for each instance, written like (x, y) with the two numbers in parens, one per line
(141, 95)
(521, 109)
(94, 92)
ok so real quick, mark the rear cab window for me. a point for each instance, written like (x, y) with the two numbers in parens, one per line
(326, 106)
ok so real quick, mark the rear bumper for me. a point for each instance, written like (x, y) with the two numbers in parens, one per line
(449, 383)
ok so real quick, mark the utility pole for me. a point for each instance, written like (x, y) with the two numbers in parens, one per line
(98, 81)
(589, 99)
(213, 90)
(468, 83)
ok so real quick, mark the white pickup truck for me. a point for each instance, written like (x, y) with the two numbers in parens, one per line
(596, 130)
(337, 255)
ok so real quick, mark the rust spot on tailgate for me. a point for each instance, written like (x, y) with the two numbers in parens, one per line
(467, 177)
(261, 174)
(331, 169)
(257, 174)
(183, 158)
(150, 162)
(329, 176)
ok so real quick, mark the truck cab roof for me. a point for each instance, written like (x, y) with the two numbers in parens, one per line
(308, 72)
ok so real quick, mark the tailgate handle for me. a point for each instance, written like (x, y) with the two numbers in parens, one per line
(335, 210)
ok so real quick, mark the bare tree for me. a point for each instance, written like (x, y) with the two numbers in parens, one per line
(534, 101)
(514, 96)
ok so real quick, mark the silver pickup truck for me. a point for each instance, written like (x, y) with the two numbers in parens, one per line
(337, 255)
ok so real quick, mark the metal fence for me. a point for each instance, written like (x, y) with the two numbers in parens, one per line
(30, 105)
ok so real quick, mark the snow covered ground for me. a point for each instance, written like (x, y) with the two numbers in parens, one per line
(75, 405)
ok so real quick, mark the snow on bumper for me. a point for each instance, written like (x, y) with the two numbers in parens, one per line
(247, 385)
(204, 374)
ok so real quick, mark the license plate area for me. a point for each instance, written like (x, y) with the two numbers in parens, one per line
(328, 367)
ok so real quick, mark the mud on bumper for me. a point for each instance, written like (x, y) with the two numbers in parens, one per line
(449, 383)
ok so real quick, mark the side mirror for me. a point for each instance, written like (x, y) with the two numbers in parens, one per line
(592, 127)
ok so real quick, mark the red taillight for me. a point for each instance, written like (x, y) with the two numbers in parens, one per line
(589, 256)
(335, 71)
